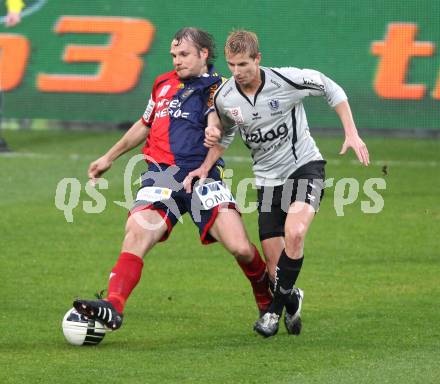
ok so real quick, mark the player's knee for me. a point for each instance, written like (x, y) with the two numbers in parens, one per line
(243, 251)
(134, 240)
(133, 227)
(133, 235)
(137, 236)
(294, 237)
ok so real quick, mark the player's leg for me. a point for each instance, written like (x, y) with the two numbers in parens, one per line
(272, 248)
(305, 194)
(155, 212)
(223, 223)
(308, 195)
(271, 220)
(288, 268)
(228, 229)
(290, 263)
(143, 230)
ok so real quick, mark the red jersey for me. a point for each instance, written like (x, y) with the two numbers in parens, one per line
(177, 116)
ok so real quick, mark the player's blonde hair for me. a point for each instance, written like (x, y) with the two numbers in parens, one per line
(242, 41)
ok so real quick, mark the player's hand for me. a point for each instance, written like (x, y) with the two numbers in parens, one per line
(212, 136)
(97, 168)
(12, 18)
(358, 146)
(199, 173)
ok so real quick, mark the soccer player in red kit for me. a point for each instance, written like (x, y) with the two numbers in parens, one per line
(172, 127)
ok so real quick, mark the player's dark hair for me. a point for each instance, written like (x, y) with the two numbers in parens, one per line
(242, 41)
(200, 38)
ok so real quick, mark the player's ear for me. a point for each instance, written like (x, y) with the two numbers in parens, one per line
(204, 53)
(258, 58)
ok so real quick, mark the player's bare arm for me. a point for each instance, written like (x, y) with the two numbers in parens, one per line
(213, 131)
(132, 138)
(212, 136)
(213, 155)
(352, 139)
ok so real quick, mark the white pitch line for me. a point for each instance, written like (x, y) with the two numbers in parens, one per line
(232, 159)
(71, 156)
(13, 155)
(406, 163)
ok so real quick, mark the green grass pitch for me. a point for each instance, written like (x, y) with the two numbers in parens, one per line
(371, 312)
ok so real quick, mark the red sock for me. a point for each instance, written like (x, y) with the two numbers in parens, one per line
(256, 272)
(124, 277)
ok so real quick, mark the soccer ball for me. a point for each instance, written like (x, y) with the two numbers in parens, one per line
(81, 331)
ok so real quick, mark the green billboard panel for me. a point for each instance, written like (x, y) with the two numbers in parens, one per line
(96, 61)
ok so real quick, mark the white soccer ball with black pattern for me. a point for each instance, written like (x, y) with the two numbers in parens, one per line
(81, 331)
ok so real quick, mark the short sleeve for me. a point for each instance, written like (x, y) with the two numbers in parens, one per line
(148, 116)
(310, 82)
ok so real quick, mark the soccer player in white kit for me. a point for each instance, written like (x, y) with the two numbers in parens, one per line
(265, 106)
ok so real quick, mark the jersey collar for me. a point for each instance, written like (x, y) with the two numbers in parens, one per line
(263, 80)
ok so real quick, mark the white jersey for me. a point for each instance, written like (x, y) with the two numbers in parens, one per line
(274, 125)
